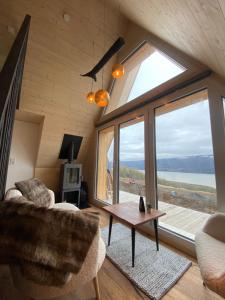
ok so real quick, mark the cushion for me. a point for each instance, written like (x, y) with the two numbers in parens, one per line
(51, 243)
(35, 191)
(215, 226)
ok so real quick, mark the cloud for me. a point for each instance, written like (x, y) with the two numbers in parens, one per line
(182, 132)
(185, 131)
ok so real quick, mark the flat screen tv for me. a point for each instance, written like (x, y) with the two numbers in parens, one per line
(70, 147)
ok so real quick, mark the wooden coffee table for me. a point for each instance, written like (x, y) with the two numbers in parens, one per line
(128, 213)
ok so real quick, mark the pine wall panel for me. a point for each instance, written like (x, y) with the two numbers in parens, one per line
(58, 52)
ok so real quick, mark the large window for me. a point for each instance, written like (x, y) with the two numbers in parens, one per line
(186, 186)
(168, 149)
(131, 160)
(175, 140)
(105, 165)
(145, 70)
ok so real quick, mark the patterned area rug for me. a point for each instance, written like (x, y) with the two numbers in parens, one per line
(154, 272)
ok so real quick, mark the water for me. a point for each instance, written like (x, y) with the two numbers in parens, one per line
(192, 178)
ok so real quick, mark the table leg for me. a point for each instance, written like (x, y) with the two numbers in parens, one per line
(110, 229)
(156, 233)
(133, 244)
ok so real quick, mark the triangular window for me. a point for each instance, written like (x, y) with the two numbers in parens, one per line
(147, 69)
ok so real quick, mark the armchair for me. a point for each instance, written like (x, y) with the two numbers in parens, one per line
(88, 271)
(210, 248)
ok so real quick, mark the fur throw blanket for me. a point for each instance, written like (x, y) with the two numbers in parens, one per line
(35, 191)
(46, 244)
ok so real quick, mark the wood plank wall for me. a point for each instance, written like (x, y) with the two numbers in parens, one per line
(194, 26)
(58, 52)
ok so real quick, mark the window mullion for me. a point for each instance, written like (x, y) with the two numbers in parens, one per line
(151, 151)
(147, 158)
(218, 139)
(116, 165)
(96, 163)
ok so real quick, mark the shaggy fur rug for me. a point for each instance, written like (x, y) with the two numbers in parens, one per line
(46, 244)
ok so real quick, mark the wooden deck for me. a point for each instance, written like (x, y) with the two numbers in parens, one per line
(181, 220)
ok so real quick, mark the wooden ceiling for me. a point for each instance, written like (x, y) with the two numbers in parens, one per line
(197, 27)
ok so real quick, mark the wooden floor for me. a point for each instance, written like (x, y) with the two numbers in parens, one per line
(115, 286)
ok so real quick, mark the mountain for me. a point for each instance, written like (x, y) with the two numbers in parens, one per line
(135, 164)
(203, 164)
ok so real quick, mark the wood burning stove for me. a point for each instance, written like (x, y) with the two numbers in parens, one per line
(71, 176)
(70, 173)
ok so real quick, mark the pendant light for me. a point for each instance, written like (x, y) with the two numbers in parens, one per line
(91, 95)
(118, 71)
(102, 96)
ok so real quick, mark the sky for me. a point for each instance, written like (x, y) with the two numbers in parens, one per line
(182, 132)
(154, 70)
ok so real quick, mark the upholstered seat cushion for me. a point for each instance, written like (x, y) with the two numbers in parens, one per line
(66, 206)
(211, 259)
(89, 270)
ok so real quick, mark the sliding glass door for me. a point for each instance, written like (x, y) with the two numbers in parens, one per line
(186, 188)
(131, 160)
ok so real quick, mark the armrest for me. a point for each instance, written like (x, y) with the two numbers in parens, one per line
(52, 195)
(12, 193)
(215, 226)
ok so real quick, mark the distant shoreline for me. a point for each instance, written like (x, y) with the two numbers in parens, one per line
(192, 178)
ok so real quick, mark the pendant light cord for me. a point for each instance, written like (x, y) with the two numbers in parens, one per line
(93, 55)
(104, 34)
(92, 81)
(118, 54)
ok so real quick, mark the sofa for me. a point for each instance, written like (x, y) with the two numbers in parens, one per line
(210, 249)
(87, 273)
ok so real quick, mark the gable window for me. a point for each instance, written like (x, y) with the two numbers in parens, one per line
(145, 70)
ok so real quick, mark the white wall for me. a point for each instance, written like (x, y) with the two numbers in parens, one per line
(23, 152)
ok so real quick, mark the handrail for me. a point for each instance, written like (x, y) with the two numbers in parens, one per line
(10, 86)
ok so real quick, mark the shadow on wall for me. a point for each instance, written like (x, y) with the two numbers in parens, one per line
(24, 150)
